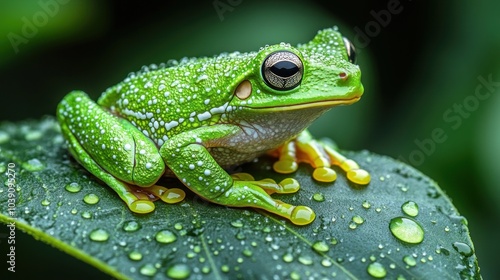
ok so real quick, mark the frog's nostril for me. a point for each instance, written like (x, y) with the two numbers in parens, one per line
(343, 76)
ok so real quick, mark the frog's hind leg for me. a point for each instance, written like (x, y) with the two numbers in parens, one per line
(191, 162)
(112, 149)
(137, 202)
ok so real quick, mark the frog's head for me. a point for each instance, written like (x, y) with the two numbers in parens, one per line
(319, 74)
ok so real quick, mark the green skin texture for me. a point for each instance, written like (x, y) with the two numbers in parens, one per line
(185, 120)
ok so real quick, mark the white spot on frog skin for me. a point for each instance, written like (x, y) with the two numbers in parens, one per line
(142, 152)
(149, 165)
(127, 147)
(200, 163)
(191, 166)
(204, 116)
(171, 125)
(219, 110)
(207, 172)
(206, 101)
(103, 146)
(78, 99)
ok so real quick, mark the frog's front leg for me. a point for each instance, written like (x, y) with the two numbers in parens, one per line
(187, 156)
(114, 151)
(320, 156)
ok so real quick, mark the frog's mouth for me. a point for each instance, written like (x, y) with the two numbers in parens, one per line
(308, 105)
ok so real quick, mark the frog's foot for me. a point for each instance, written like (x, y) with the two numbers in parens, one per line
(320, 156)
(255, 194)
(288, 185)
(140, 199)
(155, 192)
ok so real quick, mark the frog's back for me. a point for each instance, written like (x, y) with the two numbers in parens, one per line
(163, 101)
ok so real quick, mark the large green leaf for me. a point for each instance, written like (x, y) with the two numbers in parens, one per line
(350, 238)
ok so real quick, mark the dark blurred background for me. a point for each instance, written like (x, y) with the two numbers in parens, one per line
(429, 70)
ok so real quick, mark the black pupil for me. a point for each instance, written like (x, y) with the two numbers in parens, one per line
(284, 68)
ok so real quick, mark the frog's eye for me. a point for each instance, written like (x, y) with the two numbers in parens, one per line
(351, 51)
(282, 70)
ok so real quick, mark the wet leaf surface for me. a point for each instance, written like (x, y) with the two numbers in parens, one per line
(400, 225)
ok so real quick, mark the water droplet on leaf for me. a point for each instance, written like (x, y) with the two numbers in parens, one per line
(33, 165)
(131, 226)
(464, 249)
(135, 256)
(73, 187)
(99, 235)
(376, 270)
(410, 208)
(91, 199)
(165, 236)
(148, 270)
(406, 230)
(319, 197)
(410, 260)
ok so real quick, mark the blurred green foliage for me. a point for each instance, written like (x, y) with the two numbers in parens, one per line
(420, 63)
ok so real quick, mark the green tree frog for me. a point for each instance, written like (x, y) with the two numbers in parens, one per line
(196, 117)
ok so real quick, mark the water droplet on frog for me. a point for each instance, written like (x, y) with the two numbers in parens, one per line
(320, 247)
(462, 248)
(237, 223)
(45, 202)
(305, 260)
(376, 270)
(91, 199)
(73, 187)
(406, 230)
(135, 256)
(99, 235)
(33, 165)
(131, 226)
(148, 270)
(319, 197)
(410, 208)
(74, 211)
(165, 236)
(410, 260)
(86, 215)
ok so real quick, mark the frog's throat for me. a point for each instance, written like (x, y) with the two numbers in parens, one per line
(308, 105)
